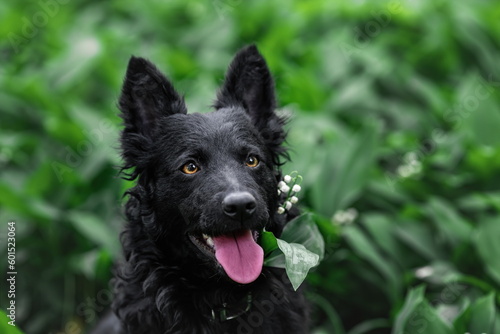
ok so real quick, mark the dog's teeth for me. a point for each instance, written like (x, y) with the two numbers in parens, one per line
(210, 242)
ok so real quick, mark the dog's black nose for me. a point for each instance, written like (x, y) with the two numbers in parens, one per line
(240, 205)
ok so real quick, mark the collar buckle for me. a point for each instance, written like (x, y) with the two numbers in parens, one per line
(228, 312)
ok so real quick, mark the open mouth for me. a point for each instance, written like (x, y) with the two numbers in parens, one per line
(237, 252)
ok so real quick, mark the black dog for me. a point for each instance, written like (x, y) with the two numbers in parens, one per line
(206, 187)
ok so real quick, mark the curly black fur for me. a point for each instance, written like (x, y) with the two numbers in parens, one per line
(167, 284)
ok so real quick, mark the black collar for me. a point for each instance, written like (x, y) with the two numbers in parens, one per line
(228, 312)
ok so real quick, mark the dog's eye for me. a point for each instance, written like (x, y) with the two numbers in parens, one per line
(190, 168)
(252, 161)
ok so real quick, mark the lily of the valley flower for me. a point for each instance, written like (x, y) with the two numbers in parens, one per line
(285, 189)
(289, 187)
(345, 217)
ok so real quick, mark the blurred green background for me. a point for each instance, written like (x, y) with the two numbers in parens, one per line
(395, 128)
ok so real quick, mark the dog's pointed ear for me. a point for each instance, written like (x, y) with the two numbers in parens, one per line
(248, 83)
(147, 97)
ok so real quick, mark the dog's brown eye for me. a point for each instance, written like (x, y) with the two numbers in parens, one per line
(252, 161)
(190, 168)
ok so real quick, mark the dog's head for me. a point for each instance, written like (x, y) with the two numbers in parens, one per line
(207, 183)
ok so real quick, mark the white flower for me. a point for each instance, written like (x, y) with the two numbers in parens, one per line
(351, 214)
(285, 189)
(287, 178)
(294, 199)
(288, 205)
(404, 171)
(281, 210)
(339, 217)
(345, 217)
(424, 272)
(414, 163)
(296, 188)
(279, 192)
(281, 184)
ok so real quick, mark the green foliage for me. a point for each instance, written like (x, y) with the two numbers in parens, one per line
(7, 328)
(394, 113)
(301, 247)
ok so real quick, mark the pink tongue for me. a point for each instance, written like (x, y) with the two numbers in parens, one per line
(240, 256)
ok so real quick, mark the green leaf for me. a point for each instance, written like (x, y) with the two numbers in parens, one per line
(348, 172)
(5, 328)
(413, 299)
(275, 259)
(448, 221)
(381, 229)
(335, 321)
(461, 321)
(420, 239)
(298, 261)
(303, 230)
(85, 263)
(366, 250)
(94, 229)
(369, 326)
(268, 242)
(418, 316)
(488, 246)
(425, 319)
(482, 315)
